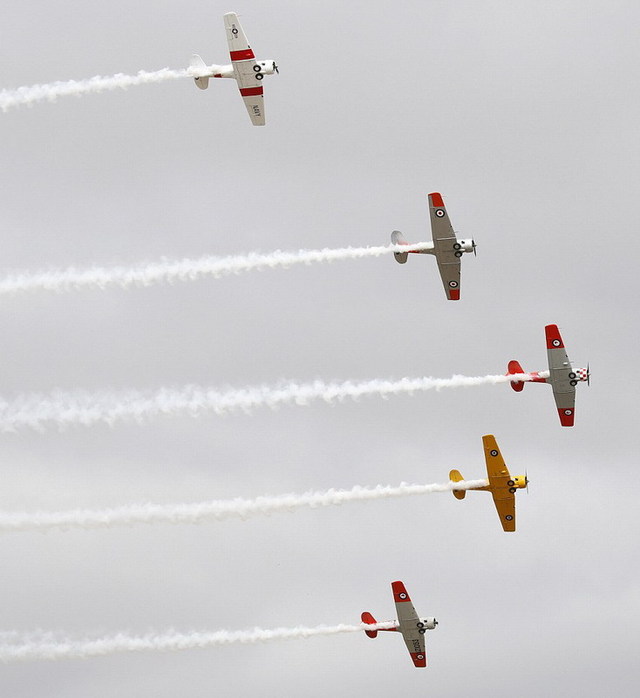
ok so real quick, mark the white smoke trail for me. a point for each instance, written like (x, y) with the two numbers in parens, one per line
(184, 269)
(51, 91)
(171, 641)
(217, 510)
(84, 408)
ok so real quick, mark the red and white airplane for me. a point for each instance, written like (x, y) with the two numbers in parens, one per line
(445, 246)
(244, 68)
(562, 377)
(409, 624)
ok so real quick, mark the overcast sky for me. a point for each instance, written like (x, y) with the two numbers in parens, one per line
(525, 116)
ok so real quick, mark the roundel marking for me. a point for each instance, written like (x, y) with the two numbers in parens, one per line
(556, 342)
(508, 517)
(440, 212)
(568, 412)
(493, 452)
(453, 284)
(420, 656)
(402, 595)
(234, 31)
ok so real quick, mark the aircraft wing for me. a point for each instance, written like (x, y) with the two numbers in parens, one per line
(243, 61)
(560, 376)
(506, 507)
(566, 404)
(444, 240)
(408, 625)
(499, 479)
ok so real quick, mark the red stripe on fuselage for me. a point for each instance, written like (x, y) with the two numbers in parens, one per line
(537, 378)
(251, 91)
(245, 55)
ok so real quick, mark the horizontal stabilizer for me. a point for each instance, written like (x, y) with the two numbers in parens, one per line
(398, 239)
(456, 476)
(198, 66)
(514, 367)
(370, 620)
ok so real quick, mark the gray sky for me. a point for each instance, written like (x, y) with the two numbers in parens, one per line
(524, 115)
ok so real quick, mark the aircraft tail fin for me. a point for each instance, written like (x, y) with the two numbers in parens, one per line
(369, 619)
(197, 65)
(456, 476)
(398, 239)
(514, 367)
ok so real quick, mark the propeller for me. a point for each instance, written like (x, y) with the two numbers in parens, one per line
(526, 480)
(275, 67)
(588, 375)
(473, 243)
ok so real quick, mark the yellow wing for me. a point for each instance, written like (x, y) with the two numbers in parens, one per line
(499, 479)
(496, 467)
(506, 508)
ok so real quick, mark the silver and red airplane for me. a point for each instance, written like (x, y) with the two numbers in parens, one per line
(446, 248)
(409, 624)
(562, 377)
(244, 68)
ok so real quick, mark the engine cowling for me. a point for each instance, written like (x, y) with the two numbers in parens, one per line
(429, 623)
(579, 374)
(519, 481)
(266, 67)
(466, 245)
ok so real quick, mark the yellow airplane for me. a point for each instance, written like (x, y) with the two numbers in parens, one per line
(502, 485)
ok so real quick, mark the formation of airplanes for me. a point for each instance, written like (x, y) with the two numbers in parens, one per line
(448, 251)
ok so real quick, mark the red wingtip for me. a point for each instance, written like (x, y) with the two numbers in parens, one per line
(566, 417)
(554, 340)
(419, 659)
(436, 199)
(454, 294)
(399, 592)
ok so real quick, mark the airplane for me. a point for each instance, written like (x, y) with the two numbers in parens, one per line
(502, 485)
(561, 376)
(445, 246)
(409, 624)
(244, 68)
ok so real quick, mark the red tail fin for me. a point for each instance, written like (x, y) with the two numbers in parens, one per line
(368, 618)
(514, 367)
